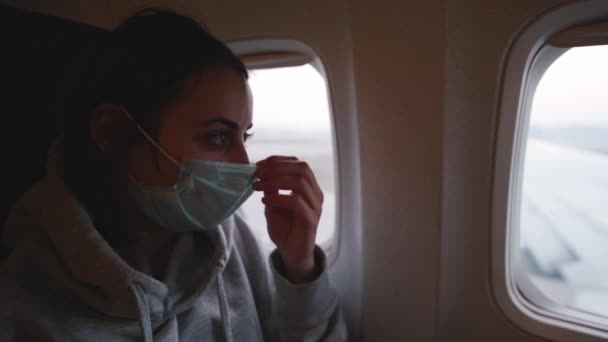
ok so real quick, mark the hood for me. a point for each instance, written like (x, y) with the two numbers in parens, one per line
(77, 262)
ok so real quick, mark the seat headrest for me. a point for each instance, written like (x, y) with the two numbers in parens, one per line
(40, 55)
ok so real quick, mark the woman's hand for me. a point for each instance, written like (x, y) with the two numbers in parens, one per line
(292, 218)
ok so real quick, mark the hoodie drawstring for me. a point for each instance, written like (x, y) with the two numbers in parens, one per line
(143, 310)
(223, 301)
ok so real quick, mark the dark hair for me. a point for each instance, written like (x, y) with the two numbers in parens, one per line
(144, 65)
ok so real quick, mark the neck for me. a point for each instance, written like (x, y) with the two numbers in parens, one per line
(144, 245)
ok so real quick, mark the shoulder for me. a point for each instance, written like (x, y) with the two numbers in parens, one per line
(19, 301)
(37, 208)
(32, 311)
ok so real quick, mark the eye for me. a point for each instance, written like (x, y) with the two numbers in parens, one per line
(247, 136)
(219, 138)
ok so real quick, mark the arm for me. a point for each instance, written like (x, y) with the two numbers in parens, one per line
(307, 311)
(304, 307)
(287, 311)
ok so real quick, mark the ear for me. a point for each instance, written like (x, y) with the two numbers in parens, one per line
(108, 121)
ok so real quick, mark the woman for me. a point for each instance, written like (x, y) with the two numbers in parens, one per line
(132, 235)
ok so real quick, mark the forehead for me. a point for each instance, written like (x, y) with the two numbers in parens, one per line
(217, 92)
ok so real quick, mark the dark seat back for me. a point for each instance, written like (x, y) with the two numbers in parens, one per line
(39, 57)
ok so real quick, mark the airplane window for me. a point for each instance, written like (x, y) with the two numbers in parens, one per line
(564, 208)
(291, 116)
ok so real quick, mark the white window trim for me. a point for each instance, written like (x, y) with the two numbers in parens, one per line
(264, 53)
(526, 60)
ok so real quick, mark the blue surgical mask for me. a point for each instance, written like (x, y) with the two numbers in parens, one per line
(206, 193)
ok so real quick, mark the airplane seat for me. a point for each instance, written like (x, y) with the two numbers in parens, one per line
(40, 56)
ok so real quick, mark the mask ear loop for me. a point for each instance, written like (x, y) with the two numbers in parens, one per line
(149, 137)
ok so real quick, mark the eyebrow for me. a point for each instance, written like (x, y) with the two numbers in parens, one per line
(231, 124)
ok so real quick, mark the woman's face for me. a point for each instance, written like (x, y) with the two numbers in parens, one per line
(209, 122)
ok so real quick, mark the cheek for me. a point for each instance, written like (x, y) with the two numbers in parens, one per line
(178, 139)
(193, 145)
(201, 151)
(144, 168)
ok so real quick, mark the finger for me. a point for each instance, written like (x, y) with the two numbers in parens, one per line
(289, 167)
(270, 192)
(273, 159)
(298, 184)
(293, 168)
(294, 204)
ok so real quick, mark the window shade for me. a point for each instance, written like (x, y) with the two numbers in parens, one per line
(583, 35)
(274, 60)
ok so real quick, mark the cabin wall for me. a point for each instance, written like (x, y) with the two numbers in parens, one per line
(397, 49)
(477, 38)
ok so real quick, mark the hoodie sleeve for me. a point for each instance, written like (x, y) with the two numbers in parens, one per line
(290, 312)
(307, 311)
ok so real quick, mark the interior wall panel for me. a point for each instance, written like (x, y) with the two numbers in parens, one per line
(398, 68)
(477, 38)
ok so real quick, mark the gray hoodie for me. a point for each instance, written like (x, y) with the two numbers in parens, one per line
(63, 282)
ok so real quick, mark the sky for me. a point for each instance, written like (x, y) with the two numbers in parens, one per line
(289, 102)
(574, 90)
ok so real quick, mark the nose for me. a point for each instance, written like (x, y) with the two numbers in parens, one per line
(240, 155)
